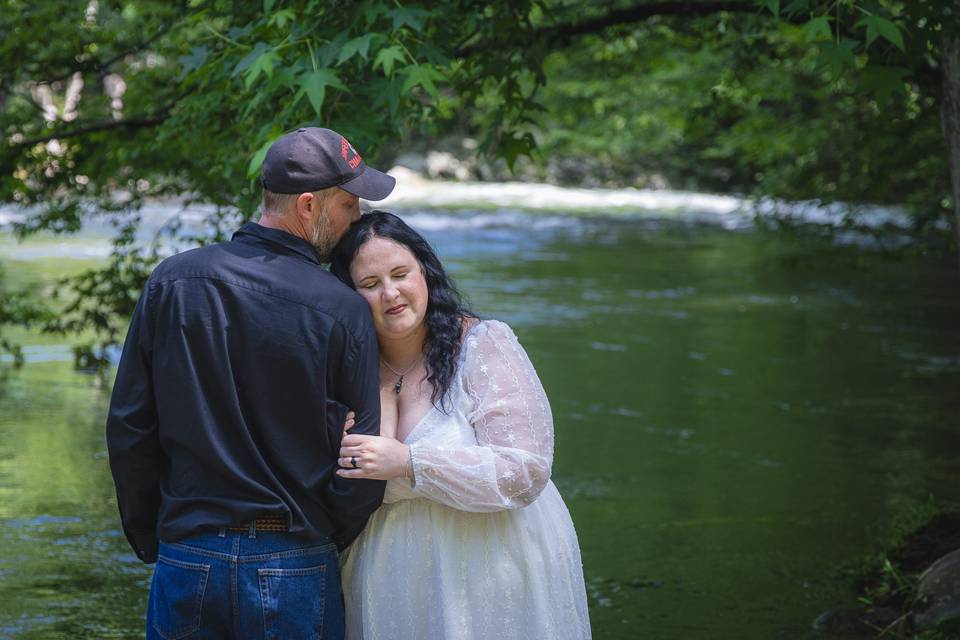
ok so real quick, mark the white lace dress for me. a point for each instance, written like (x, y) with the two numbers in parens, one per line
(481, 545)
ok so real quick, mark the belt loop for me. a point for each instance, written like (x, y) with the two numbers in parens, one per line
(252, 530)
(223, 532)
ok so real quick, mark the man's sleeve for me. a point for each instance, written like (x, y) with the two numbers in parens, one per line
(132, 438)
(358, 387)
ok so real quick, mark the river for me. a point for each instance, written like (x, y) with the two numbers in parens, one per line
(739, 412)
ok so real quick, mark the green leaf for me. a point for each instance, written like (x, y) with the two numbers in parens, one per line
(428, 52)
(263, 64)
(327, 54)
(386, 57)
(250, 58)
(359, 45)
(240, 32)
(512, 147)
(373, 11)
(282, 18)
(423, 75)
(387, 95)
(797, 7)
(315, 85)
(283, 77)
(268, 5)
(195, 60)
(878, 27)
(883, 82)
(257, 160)
(837, 57)
(198, 55)
(773, 6)
(817, 29)
(412, 18)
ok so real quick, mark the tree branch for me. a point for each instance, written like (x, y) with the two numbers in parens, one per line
(621, 16)
(6, 91)
(130, 123)
(97, 66)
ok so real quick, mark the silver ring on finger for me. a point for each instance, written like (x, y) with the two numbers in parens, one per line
(353, 461)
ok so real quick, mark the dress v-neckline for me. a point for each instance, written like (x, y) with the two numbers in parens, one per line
(419, 422)
(433, 408)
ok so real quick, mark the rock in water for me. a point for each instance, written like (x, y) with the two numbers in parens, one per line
(938, 594)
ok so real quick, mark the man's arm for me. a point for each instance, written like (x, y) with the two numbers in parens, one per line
(132, 438)
(357, 387)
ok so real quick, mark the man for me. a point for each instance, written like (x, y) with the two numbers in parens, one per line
(238, 370)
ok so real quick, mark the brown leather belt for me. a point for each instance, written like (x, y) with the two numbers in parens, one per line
(277, 525)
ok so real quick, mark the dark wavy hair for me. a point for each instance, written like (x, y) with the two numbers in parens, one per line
(445, 306)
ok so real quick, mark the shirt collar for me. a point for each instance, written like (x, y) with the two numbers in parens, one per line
(257, 232)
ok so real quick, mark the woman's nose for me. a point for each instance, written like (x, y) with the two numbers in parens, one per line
(390, 291)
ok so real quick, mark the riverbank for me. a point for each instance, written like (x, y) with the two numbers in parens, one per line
(909, 590)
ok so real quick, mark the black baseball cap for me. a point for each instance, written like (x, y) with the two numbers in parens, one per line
(313, 158)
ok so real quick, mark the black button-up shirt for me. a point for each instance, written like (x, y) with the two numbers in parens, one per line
(240, 364)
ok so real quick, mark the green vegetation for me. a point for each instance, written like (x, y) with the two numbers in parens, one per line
(693, 105)
(108, 104)
(886, 582)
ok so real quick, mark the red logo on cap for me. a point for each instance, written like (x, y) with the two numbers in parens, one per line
(346, 149)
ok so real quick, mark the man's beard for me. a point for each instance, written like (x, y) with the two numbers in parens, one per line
(322, 238)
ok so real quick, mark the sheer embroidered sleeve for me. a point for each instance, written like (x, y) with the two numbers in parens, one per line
(511, 462)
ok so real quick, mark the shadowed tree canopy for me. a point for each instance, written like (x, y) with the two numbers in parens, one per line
(105, 105)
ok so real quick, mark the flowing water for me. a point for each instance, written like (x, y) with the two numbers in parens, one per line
(738, 414)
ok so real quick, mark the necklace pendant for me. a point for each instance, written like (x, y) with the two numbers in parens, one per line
(399, 385)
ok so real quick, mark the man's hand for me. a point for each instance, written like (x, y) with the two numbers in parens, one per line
(376, 457)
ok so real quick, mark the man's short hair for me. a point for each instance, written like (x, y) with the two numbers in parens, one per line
(279, 204)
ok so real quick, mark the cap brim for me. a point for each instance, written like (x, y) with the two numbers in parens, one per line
(370, 185)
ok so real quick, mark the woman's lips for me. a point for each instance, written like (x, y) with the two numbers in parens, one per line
(395, 310)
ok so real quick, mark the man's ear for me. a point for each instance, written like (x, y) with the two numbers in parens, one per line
(305, 204)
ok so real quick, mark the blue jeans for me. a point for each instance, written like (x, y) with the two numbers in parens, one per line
(246, 586)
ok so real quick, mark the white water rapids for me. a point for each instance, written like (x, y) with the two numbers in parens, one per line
(436, 205)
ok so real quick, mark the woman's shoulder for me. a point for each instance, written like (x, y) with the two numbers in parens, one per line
(492, 357)
(483, 339)
(476, 330)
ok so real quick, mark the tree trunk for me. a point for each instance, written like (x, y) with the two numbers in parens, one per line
(950, 113)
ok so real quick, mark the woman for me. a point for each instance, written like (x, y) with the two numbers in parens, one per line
(473, 540)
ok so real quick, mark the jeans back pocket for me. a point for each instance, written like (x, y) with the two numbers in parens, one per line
(293, 602)
(177, 597)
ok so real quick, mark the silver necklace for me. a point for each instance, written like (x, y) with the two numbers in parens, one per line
(399, 385)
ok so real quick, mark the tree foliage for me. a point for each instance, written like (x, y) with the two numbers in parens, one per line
(107, 104)
(737, 102)
(209, 85)
(125, 101)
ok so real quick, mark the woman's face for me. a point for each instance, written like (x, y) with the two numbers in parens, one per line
(390, 279)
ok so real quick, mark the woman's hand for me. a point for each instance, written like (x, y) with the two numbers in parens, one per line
(388, 415)
(349, 422)
(377, 458)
